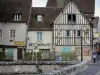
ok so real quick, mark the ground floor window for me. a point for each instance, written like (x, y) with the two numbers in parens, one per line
(45, 53)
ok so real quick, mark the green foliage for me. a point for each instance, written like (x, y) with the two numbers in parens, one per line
(69, 56)
(2, 55)
(38, 56)
(52, 56)
(32, 56)
(27, 56)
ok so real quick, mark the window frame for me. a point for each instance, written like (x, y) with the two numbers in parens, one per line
(39, 18)
(39, 36)
(77, 33)
(12, 34)
(69, 33)
(1, 33)
(71, 18)
(17, 17)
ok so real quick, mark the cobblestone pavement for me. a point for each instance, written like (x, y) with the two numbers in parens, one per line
(93, 69)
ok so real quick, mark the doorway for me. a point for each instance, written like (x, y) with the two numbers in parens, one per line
(19, 54)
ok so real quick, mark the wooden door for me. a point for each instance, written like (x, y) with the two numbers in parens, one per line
(19, 54)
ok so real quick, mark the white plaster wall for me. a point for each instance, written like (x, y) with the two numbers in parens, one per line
(47, 38)
(15, 54)
(71, 8)
(21, 29)
(58, 50)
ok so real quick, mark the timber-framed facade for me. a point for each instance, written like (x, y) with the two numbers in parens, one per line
(80, 22)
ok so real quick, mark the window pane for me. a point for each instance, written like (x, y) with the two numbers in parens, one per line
(78, 33)
(74, 18)
(12, 33)
(0, 33)
(69, 18)
(17, 17)
(67, 33)
(39, 17)
(40, 35)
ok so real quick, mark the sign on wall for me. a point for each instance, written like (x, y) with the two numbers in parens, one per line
(19, 43)
(66, 49)
(40, 44)
(86, 51)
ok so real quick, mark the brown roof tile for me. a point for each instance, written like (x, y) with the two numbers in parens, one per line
(9, 7)
(51, 3)
(86, 6)
(49, 14)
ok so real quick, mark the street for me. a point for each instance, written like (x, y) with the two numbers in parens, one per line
(93, 69)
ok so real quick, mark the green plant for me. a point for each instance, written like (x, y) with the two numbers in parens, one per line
(2, 55)
(32, 56)
(38, 56)
(27, 56)
(52, 56)
(69, 56)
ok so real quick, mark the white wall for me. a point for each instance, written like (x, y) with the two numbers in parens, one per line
(21, 29)
(47, 38)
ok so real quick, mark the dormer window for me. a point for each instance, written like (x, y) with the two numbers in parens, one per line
(17, 17)
(39, 17)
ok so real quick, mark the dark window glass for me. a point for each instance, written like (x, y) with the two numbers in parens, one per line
(74, 18)
(78, 33)
(67, 33)
(71, 18)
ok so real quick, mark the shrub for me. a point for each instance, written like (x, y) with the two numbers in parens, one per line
(2, 55)
(69, 56)
(32, 56)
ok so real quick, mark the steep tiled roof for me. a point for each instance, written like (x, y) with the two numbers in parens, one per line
(9, 7)
(86, 6)
(51, 3)
(49, 14)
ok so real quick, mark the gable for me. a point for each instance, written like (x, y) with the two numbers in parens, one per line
(71, 8)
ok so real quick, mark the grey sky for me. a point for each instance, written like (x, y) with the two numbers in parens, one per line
(42, 3)
(39, 3)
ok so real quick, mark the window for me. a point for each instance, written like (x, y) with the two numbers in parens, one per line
(12, 33)
(39, 36)
(17, 17)
(0, 33)
(78, 33)
(39, 17)
(71, 18)
(67, 32)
